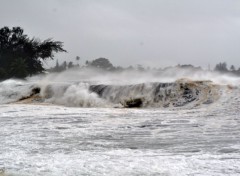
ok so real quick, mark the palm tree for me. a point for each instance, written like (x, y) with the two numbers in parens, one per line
(77, 59)
(18, 68)
(30, 52)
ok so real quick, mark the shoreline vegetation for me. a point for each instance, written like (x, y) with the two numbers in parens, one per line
(21, 56)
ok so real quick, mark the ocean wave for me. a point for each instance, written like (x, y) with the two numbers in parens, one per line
(180, 93)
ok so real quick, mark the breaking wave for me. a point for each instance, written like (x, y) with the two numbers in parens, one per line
(117, 90)
(15, 90)
(176, 94)
(179, 93)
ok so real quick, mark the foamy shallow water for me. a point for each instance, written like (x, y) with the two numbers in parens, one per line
(41, 140)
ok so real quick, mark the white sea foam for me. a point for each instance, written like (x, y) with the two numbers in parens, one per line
(58, 140)
(55, 140)
(76, 95)
(13, 90)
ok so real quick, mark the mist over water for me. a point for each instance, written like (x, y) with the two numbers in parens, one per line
(136, 77)
(98, 88)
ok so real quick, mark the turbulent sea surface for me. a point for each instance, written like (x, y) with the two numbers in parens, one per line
(177, 133)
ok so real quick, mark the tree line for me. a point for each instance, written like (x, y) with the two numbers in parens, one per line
(100, 63)
(223, 68)
(22, 56)
(104, 64)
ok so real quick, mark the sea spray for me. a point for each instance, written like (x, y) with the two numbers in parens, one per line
(13, 90)
(77, 95)
(94, 88)
(162, 95)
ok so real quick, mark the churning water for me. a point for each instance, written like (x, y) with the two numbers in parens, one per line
(183, 128)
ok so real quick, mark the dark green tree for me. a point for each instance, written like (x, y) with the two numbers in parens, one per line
(17, 48)
(221, 67)
(102, 63)
(18, 68)
(77, 59)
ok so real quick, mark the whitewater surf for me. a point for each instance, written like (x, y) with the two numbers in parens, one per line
(155, 126)
(176, 94)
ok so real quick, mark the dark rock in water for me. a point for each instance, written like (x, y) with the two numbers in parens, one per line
(187, 91)
(36, 90)
(133, 103)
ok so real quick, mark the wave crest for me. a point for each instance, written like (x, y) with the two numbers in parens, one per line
(180, 93)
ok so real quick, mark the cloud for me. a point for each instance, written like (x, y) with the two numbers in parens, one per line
(154, 32)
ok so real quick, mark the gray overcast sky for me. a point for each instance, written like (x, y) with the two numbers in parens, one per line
(131, 32)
